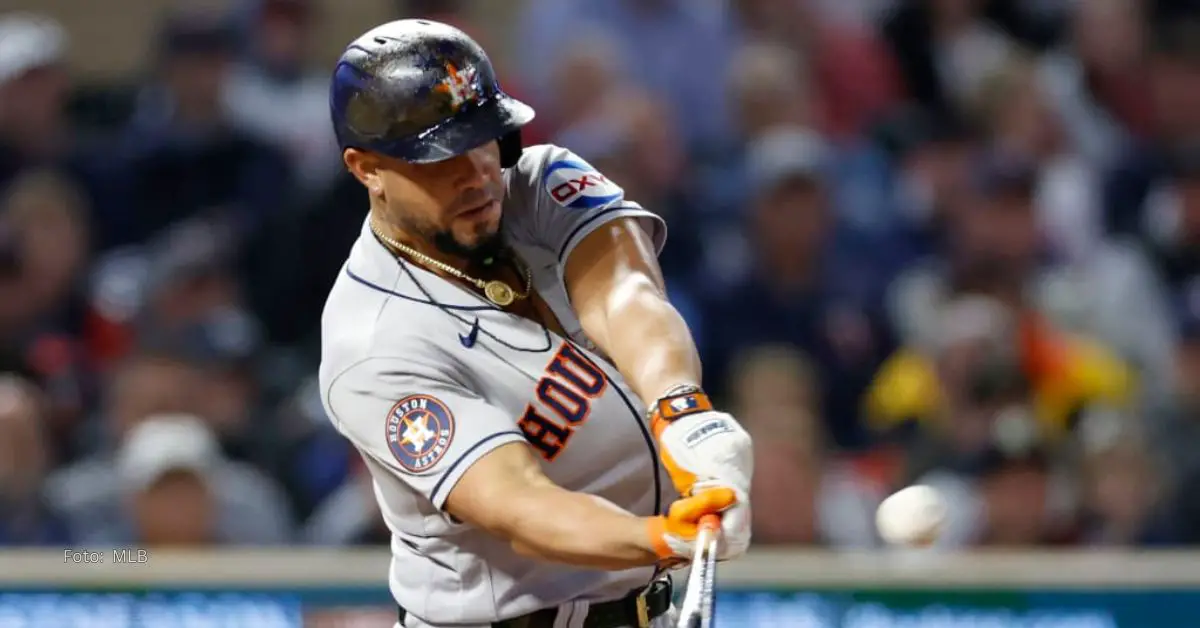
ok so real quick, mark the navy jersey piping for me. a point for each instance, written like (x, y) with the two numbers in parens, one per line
(446, 474)
(649, 445)
(637, 418)
(448, 306)
(449, 309)
(591, 219)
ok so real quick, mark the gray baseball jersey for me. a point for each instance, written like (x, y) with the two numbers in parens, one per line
(425, 378)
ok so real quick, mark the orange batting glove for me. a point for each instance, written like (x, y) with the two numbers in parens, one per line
(673, 535)
(703, 450)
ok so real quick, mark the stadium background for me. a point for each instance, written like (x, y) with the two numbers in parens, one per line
(948, 241)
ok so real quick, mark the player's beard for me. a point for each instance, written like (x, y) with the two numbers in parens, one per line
(486, 247)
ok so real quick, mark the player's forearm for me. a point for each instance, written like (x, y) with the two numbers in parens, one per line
(646, 337)
(557, 525)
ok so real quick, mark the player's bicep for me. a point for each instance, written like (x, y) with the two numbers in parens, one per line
(611, 257)
(426, 431)
(489, 494)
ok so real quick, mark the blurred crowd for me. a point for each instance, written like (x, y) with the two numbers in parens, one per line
(954, 242)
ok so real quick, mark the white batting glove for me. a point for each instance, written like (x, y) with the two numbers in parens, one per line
(702, 450)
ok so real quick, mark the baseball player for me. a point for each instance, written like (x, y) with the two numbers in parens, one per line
(488, 346)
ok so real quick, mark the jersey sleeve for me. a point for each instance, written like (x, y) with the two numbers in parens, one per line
(560, 199)
(418, 422)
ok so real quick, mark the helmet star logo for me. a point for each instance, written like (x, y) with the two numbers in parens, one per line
(458, 85)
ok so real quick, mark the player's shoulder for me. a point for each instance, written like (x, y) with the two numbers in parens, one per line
(554, 176)
(534, 158)
(525, 177)
(372, 331)
(364, 361)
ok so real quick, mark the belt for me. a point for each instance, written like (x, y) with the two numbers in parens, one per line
(635, 610)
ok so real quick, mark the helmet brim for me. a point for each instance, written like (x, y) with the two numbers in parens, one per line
(471, 128)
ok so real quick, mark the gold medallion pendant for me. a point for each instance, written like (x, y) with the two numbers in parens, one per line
(496, 291)
(499, 293)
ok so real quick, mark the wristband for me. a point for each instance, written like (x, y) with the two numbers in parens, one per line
(677, 402)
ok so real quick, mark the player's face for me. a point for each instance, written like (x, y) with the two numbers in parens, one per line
(453, 204)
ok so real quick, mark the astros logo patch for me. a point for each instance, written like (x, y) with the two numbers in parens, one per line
(575, 183)
(419, 430)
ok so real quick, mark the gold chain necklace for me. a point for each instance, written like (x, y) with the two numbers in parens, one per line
(496, 291)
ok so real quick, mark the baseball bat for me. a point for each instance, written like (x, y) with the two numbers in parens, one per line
(699, 603)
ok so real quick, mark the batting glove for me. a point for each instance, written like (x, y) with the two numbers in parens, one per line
(704, 450)
(673, 535)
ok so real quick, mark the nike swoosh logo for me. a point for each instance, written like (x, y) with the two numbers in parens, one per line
(468, 340)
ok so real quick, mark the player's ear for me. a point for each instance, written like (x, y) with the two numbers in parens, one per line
(365, 168)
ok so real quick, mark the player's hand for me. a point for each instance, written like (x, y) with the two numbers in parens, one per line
(702, 450)
(673, 535)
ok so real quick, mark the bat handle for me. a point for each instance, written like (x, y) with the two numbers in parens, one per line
(708, 539)
(706, 535)
(697, 604)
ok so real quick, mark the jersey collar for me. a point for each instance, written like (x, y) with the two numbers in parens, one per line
(375, 267)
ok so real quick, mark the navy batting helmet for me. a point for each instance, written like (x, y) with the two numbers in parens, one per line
(422, 92)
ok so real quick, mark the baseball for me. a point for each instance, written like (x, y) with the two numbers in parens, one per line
(911, 517)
